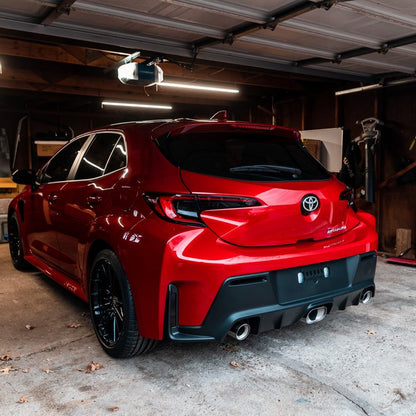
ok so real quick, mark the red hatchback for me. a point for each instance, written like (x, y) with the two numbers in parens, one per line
(193, 230)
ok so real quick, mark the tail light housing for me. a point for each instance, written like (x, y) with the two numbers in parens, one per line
(187, 208)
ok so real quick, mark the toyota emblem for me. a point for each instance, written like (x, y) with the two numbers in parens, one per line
(310, 203)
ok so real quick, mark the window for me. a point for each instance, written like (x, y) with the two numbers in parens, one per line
(251, 156)
(60, 165)
(106, 148)
(117, 158)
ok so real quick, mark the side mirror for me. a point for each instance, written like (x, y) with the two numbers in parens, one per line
(24, 177)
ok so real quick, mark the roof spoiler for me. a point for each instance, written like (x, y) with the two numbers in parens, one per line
(221, 115)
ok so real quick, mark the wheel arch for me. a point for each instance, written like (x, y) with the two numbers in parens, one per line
(14, 234)
(95, 248)
(10, 213)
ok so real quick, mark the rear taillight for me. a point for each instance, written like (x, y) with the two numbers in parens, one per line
(348, 195)
(187, 208)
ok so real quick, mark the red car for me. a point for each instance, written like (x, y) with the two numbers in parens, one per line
(192, 230)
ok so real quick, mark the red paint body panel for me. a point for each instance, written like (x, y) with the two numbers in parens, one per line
(279, 220)
(60, 227)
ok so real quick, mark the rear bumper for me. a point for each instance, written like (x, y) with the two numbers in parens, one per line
(275, 299)
(200, 265)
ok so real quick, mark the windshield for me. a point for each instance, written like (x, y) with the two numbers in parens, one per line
(253, 156)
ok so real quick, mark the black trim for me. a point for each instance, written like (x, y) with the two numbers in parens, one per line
(172, 319)
(21, 206)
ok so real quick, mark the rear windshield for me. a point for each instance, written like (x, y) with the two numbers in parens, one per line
(252, 156)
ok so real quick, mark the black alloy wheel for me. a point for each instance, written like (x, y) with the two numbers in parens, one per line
(112, 308)
(15, 244)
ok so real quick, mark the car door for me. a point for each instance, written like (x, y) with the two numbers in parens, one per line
(43, 210)
(87, 197)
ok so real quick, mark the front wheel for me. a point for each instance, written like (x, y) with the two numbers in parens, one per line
(112, 308)
(15, 244)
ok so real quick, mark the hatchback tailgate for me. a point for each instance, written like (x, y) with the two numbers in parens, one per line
(281, 218)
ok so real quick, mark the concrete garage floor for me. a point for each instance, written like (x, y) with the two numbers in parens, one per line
(360, 361)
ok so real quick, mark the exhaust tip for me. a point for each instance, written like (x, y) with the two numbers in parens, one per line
(366, 296)
(240, 331)
(316, 315)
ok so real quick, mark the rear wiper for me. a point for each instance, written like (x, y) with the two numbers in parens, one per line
(267, 168)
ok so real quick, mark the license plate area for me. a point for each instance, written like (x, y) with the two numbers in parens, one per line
(308, 281)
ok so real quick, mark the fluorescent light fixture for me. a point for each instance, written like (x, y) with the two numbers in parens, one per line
(359, 89)
(137, 105)
(394, 82)
(198, 87)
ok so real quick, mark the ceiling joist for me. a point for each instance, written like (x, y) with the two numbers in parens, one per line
(270, 22)
(63, 7)
(354, 53)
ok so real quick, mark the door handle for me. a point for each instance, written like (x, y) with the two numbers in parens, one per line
(94, 200)
(52, 198)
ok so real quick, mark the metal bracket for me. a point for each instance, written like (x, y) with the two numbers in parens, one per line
(271, 24)
(385, 47)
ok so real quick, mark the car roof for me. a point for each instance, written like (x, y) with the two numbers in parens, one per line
(157, 128)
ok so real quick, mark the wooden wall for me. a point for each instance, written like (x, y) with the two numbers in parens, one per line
(395, 205)
(398, 199)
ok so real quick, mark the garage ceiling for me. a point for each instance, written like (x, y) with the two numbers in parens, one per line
(278, 42)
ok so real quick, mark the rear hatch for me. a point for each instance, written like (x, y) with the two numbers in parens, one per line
(287, 195)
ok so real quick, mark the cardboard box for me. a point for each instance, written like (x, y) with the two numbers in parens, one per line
(47, 148)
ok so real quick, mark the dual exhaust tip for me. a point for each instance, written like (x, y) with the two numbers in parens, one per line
(319, 313)
(241, 330)
(366, 296)
(316, 315)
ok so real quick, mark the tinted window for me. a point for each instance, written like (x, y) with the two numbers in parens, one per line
(253, 156)
(94, 162)
(59, 166)
(117, 158)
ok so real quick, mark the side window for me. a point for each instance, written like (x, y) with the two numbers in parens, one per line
(94, 162)
(59, 166)
(118, 157)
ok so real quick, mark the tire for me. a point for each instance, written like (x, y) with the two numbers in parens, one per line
(112, 309)
(15, 245)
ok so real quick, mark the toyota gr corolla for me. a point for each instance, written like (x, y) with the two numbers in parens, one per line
(192, 230)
